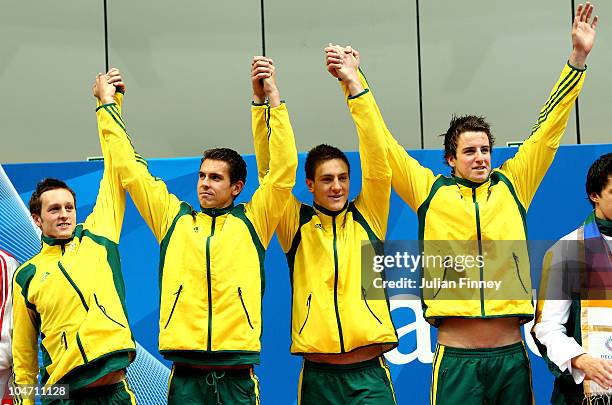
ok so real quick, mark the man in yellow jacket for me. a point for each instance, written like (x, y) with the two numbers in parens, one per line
(72, 296)
(339, 330)
(211, 262)
(480, 357)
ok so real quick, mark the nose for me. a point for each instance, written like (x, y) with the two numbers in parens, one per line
(336, 185)
(63, 213)
(479, 155)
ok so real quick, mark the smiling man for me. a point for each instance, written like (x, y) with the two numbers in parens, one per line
(339, 332)
(211, 263)
(72, 296)
(480, 357)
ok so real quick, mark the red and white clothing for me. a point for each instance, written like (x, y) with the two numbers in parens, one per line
(8, 265)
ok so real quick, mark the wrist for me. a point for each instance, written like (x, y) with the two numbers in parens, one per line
(274, 98)
(578, 361)
(259, 98)
(578, 59)
(107, 100)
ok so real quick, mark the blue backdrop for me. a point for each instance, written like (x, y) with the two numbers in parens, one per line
(559, 206)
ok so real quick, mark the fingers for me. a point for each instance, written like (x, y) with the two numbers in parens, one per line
(589, 11)
(257, 59)
(595, 20)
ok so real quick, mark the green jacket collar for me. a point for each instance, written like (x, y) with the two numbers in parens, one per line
(330, 213)
(56, 242)
(468, 183)
(215, 212)
(605, 226)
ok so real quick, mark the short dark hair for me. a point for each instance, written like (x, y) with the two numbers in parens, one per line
(237, 165)
(323, 153)
(459, 125)
(44, 185)
(597, 177)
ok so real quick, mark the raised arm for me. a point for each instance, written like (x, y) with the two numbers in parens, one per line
(275, 151)
(25, 332)
(156, 205)
(411, 181)
(106, 217)
(528, 167)
(373, 200)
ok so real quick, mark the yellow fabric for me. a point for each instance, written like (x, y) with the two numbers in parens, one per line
(256, 387)
(209, 251)
(384, 365)
(449, 210)
(326, 264)
(299, 398)
(437, 360)
(51, 305)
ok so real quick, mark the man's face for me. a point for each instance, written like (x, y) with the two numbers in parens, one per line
(57, 217)
(473, 161)
(603, 201)
(214, 187)
(330, 187)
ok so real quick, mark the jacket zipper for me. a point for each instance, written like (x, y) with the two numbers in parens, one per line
(518, 273)
(363, 294)
(245, 309)
(212, 232)
(104, 312)
(78, 339)
(482, 308)
(65, 340)
(177, 293)
(72, 283)
(336, 287)
(307, 313)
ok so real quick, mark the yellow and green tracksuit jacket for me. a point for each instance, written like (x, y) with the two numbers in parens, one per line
(211, 262)
(72, 295)
(331, 312)
(455, 209)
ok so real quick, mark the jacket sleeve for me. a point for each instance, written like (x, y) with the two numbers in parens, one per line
(150, 194)
(373, 200)
(411, 181)
(555, 342)
(276, 156)
(528, 167)
(106, 217)
(25, 332)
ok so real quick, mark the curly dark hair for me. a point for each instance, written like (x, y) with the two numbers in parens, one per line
(237, 165)
(323, 153)
(597, 177)
(47, 184)
(459, 125)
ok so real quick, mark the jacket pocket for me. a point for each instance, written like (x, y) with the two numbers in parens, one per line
(518, 271)
(363, 295)
(245, 308)
(104, 312)
(307, 313)
(178, 294)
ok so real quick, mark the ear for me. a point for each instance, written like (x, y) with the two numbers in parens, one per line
(310, 185)
(237, 188)
(37, 220)
(594, 197)
(451, 161)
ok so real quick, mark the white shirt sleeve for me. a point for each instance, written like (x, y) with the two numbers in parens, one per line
(553, 313)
